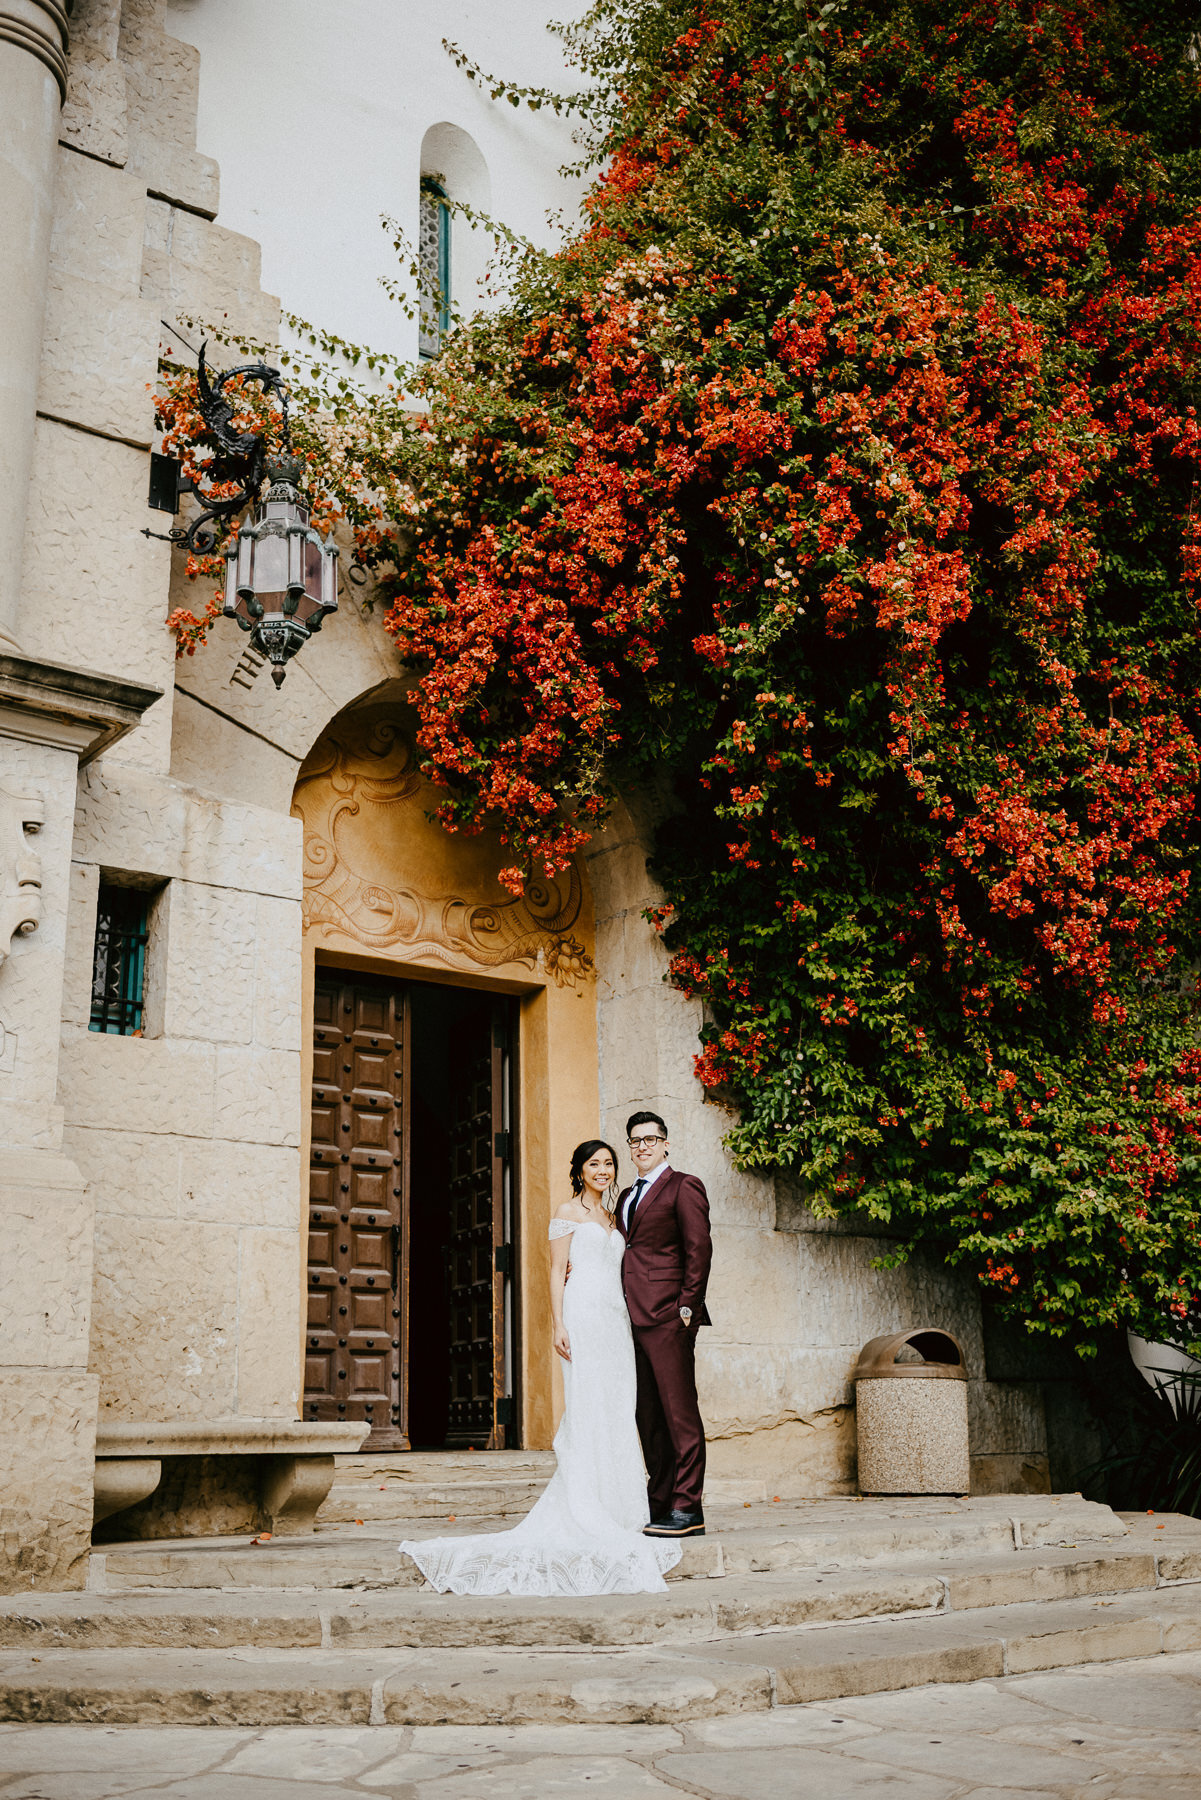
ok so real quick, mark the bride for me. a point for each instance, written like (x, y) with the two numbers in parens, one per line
(584, 1536)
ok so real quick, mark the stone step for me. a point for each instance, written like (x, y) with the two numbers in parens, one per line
(693, 1611)
(357, 1500)
(501, 1484)
(346, 1685)
(363, 1559)
(444, 1465)
(744, 1540)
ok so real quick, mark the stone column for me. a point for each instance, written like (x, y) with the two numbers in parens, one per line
(33, 85)
(51, 719)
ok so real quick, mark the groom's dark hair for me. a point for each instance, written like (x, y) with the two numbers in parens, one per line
(646, 1118)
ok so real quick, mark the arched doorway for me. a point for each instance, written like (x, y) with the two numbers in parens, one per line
(453, 1066)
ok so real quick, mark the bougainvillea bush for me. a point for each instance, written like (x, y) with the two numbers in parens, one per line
(842, 472)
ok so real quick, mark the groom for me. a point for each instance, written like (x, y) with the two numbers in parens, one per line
(664, 1218)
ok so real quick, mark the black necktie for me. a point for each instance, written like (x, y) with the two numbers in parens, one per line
(635, 1197)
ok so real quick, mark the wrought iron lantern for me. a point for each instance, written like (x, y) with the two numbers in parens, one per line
(281, 577)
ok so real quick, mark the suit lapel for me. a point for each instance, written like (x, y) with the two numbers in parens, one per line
(649, 1197)
(621, 1213)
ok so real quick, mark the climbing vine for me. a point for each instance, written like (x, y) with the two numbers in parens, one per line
(841, 472)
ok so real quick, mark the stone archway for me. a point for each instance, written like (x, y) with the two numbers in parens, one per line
(400, 916)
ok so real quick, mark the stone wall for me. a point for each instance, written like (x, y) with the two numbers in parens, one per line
(793, 1298)
(189, 1135)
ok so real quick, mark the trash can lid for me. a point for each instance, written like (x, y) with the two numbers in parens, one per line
(938, 1356)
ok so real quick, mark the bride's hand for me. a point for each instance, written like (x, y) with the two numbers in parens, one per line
(562, 1343)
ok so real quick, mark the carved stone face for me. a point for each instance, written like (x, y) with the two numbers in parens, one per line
(21, 819)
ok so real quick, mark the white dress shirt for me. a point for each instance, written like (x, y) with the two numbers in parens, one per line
(659, 1169)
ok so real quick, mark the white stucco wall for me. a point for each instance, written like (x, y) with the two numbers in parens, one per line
(316, 110)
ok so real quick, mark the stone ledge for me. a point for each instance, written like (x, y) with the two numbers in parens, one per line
(71, 708)
(228, 1437)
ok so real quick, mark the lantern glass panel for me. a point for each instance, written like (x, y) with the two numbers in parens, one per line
(313, 562)
(329, 579)
(245, 557)
(270, 565)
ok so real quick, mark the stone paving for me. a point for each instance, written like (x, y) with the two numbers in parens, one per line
(1119, 1731)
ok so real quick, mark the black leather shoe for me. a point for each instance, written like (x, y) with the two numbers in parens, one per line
(676, 1524)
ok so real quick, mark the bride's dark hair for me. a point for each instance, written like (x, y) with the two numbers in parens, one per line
(581, 1154)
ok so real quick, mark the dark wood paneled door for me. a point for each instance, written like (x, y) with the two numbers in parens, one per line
(356, 1340)
(411, 1305)
(479, 1247)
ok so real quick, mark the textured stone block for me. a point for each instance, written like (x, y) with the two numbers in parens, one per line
(132, 819)
(210, 965)
(258, 1095)
(83, 550)
(756, 1387)
(46, 1266)
(149, 1084)
(270, 1319)
(162, 86)
(1018, 1583)
(795, 1458)
(185, 290)
(277, 974)
(763, 1264)
(225, 256)
(98, 358)
(94, 117)
(207, 751)
(1007, 1418)
(1011, 1474)
(1108, 1640)
(130, 1174)
(240, 1183)
(46, 1457)
(165, 1319)
(99, 224)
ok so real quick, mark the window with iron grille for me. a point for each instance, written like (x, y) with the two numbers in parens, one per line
(119, 968)
(433, 260)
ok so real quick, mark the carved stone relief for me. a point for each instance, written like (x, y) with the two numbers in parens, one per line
(21, 819)
(379, 869)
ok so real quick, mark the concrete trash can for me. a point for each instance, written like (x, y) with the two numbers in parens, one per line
(911, 1409)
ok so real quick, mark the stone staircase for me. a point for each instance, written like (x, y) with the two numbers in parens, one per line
(780, 1603)
(424, 1484)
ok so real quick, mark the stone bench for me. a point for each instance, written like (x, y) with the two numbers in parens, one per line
(195, 1478)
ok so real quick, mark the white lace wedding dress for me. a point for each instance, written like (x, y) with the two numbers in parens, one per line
(584, 1535)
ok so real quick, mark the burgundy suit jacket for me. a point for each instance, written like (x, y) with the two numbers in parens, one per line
(668, 1251)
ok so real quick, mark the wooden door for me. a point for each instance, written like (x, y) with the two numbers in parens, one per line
(479, 1249)
(356, 1340)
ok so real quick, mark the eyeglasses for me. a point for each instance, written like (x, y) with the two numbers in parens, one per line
(644, 1143)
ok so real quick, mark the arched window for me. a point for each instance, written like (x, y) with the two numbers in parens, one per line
(433, 257)
(453, 175)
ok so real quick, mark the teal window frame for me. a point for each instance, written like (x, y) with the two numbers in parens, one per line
(119, 960)
(432, 334)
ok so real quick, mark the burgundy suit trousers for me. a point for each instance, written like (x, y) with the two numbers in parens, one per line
(669, 1419)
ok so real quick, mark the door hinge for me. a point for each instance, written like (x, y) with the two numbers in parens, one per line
(504, 1259)
(502, 1145)
(506, 1413)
